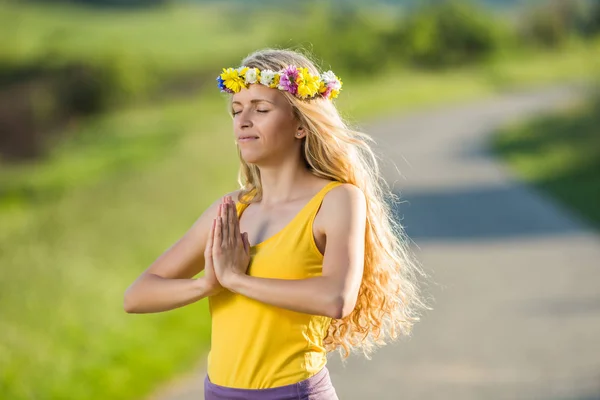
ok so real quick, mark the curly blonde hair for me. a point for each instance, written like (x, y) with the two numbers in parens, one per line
(389, 300)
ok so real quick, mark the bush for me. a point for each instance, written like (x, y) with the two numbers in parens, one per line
(86, 88)
(551, 24)
(592, 19)
(37, 100)
(345, 37)
(445, 34)
(110, 3)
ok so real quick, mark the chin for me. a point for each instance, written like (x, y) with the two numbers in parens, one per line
(251, 158)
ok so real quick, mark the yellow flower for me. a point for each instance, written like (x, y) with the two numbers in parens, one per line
(233, 80)
(275, 81)
(243, 70)
(322, 87)
(334, 93)
(308, 84)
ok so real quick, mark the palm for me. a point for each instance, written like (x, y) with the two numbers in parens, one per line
(230, 249)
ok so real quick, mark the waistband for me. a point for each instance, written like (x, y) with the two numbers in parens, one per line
(317, 387)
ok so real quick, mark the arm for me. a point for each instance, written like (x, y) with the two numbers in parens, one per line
(167, 283)
(152, 293)
(334, 293)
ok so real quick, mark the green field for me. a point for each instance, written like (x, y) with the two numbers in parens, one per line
(79, 227)
(169, 39)
(560, 155)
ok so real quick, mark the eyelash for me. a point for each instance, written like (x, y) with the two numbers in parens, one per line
(260, 111)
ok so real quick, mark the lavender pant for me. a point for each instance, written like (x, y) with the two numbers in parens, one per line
(317, 387)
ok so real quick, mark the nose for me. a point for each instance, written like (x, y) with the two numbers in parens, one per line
(243, 120)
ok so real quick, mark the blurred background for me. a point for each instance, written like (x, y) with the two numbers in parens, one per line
(114, 139)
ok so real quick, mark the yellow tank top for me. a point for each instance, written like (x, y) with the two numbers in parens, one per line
(255, 345)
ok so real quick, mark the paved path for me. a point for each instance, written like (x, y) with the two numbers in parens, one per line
(515, 277)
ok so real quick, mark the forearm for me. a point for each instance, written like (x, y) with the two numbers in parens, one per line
(152, 293)
(317, 296)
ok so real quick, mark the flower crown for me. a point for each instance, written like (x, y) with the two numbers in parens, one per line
(297, 81)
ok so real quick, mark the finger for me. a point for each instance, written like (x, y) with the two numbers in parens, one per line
(236, 224)
(209, 245)
(225, 222)
(246, 242)
(218, 234)
(232, 231)
(217, 226)
(209, 242)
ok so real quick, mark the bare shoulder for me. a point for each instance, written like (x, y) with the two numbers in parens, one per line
(344, 202)
(345, 192)
(211, 211)
(201, 227)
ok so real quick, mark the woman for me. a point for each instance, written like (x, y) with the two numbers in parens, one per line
(305, 258)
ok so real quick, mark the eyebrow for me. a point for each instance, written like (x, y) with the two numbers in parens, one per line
(254, 101)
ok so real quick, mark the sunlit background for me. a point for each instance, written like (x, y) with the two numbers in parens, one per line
(114, 138)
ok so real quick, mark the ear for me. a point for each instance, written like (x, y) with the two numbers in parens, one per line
(300, 133)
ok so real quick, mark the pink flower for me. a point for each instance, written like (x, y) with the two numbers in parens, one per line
(287, 81)
(327, 92)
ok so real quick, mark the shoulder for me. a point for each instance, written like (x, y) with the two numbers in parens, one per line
(212, 210)
(343, 195)
(234, 196)
(344, 202)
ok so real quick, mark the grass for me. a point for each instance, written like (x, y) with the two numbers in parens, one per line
(560, 155)
(403, 90)
(67, 263)
(167, 39)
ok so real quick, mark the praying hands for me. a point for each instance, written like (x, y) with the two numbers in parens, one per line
(227, 252)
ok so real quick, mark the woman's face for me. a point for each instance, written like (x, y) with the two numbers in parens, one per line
(264, 125)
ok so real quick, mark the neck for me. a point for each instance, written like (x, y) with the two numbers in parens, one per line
(282, 184)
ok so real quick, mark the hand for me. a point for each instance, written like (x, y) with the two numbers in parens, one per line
(210, 277)
(230, 250)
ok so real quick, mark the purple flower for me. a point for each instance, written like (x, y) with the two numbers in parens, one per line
(327, 92)
(291, 71)
(287, 81)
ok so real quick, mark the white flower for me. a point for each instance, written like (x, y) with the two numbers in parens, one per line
(331, 80)
(328, 76)
(251, 75)
(266, 77)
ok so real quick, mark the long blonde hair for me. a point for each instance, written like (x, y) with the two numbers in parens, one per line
(389, 300)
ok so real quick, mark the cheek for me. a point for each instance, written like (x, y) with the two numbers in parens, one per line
(276, 126)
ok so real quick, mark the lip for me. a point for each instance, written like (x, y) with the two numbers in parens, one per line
(247, 138)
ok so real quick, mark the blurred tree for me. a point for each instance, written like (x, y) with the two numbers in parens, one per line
(344, 36)
(551, 24)
(111, 3)
(592, 20)
(441, 34)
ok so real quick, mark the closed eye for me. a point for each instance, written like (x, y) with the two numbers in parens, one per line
(260, 111)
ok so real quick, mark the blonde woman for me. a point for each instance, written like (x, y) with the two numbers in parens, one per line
(305, 257)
